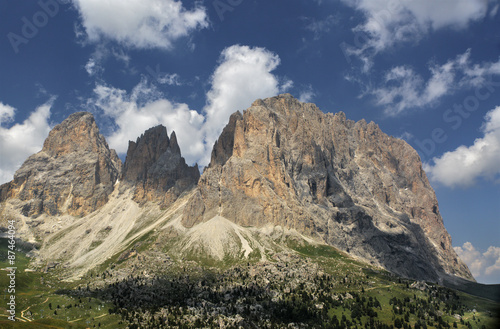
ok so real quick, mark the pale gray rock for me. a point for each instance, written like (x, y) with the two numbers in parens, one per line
(347, 183)
(74, 173)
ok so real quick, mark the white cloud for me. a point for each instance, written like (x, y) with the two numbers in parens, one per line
(242, 76)
(494, 254)
(6, 113)
(307, 94)
(404, 89)
(476, 74)
(466, 164)
(144, 108)
(169, 79)
(471, 257)
(139, 23)
(120, 55)
(92, 67)
(485, 267)
(22, 139)
(285, 85)
(388, 23)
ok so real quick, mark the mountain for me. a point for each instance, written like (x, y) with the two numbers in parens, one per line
(155, 166)
(74, 173)
(282, 175)
(345, 183)
(301, 220)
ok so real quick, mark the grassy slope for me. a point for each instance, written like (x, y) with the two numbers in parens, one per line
(36, 292)
(384, 286)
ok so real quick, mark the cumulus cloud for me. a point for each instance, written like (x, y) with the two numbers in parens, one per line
(485, 267)
(23, 139)
(403, 89)
(388, 23)
(139, 23)
(242, 75)
(143, 108)
(465, 165)
(6, 113)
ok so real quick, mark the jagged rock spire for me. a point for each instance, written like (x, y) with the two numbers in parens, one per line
(155, 167)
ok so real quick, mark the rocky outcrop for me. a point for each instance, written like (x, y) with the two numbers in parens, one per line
(155, 167)
(280, 163)
(74, 173)
(346, 183)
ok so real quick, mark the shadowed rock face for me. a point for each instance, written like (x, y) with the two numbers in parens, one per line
(74, 173)
(155, 166)
(281, 162)
(287, 163)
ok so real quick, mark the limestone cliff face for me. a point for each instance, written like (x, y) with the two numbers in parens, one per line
(74, 173)
(347, 183)
(281, 163)
(155, 167)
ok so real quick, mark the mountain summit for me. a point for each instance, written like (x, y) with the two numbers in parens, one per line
(288, 164)
(281, 172)
(75, 171)
(155, 166)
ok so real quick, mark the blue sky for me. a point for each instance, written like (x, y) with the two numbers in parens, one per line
(426, 71)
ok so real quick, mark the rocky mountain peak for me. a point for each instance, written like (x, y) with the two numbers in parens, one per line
(79, 132)
(146, 150)
(280, 166)
(155, 167)
(223, 147)
(74, 173)
(286, 163)
(174, 146)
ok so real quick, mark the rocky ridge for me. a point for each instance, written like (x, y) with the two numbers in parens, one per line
(280, 170)
(75, 172)
(345, 183)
